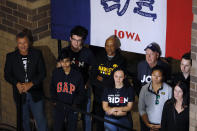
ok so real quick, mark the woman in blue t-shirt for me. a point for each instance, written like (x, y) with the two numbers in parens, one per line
(117, 102)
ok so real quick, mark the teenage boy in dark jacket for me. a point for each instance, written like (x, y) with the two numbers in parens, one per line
(81, 60)
(66, 86)
(102, 78)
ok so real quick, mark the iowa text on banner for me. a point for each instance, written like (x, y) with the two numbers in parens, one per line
(136, 22)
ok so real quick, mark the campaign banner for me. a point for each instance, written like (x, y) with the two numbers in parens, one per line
(136, 22)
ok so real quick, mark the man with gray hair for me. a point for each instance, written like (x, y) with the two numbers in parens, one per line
(144, 68)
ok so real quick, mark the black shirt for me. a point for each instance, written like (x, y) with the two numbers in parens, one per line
(180, 77)
(104, 68)
(118, 97)
(81, 60)
(172, 120)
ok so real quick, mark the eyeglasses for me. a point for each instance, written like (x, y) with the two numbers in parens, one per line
(157, 99)
(78, 41)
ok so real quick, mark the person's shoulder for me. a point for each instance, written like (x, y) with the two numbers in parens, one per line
(13, 53)
(169, 103)
(146, 86)
(75, 72)
(86, 49)
(57, 70)
(101, 56)
(163, 62)
(142, 64)
(35, 51)
(165, 85)
(109, 89)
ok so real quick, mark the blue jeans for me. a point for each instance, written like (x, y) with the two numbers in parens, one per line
(86, 118)
(123, 121)
(37, 112)
(62, 113)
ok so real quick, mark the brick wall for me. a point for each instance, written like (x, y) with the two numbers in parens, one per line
(193, 81)
(15, 16)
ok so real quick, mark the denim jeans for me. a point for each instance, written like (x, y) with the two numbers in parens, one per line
(62, 114)
(86, 118)
(123, 121)
(37, 112)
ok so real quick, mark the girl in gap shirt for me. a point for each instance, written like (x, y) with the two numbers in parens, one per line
(117, 102)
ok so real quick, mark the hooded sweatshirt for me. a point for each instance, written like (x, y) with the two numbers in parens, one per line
(67, 88)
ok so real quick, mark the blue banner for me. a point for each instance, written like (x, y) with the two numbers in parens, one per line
(65, 14)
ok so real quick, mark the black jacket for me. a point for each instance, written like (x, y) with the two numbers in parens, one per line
(104, 68)
(81, 61)
(14, 72)
(172, 120)
(180, 77)
(67, 88)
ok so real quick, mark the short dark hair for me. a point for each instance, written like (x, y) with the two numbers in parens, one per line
(80, 31)
(64, 54)
(187, 56)
(22, 35)
(158, 68)
(29, 34)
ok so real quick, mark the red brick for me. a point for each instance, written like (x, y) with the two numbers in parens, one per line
(44, 8)
(193, 79)
(7, 10)
(19, 14)
(31, 0)
(12, 18)
(192, 100)
(11, 5)
(194, 49)
(40, 29)
(2, 2)
(193, 56)
(49, 13)
(26, 10)
(192, 85)
(35, 37)
(44, 21)
(193, 94)
(39, 16)
(2, 14)
(44, 34)
(194, 26)
(3, 27)
(27, 23)
(12, 31)
(8, 23)
(19, 27)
